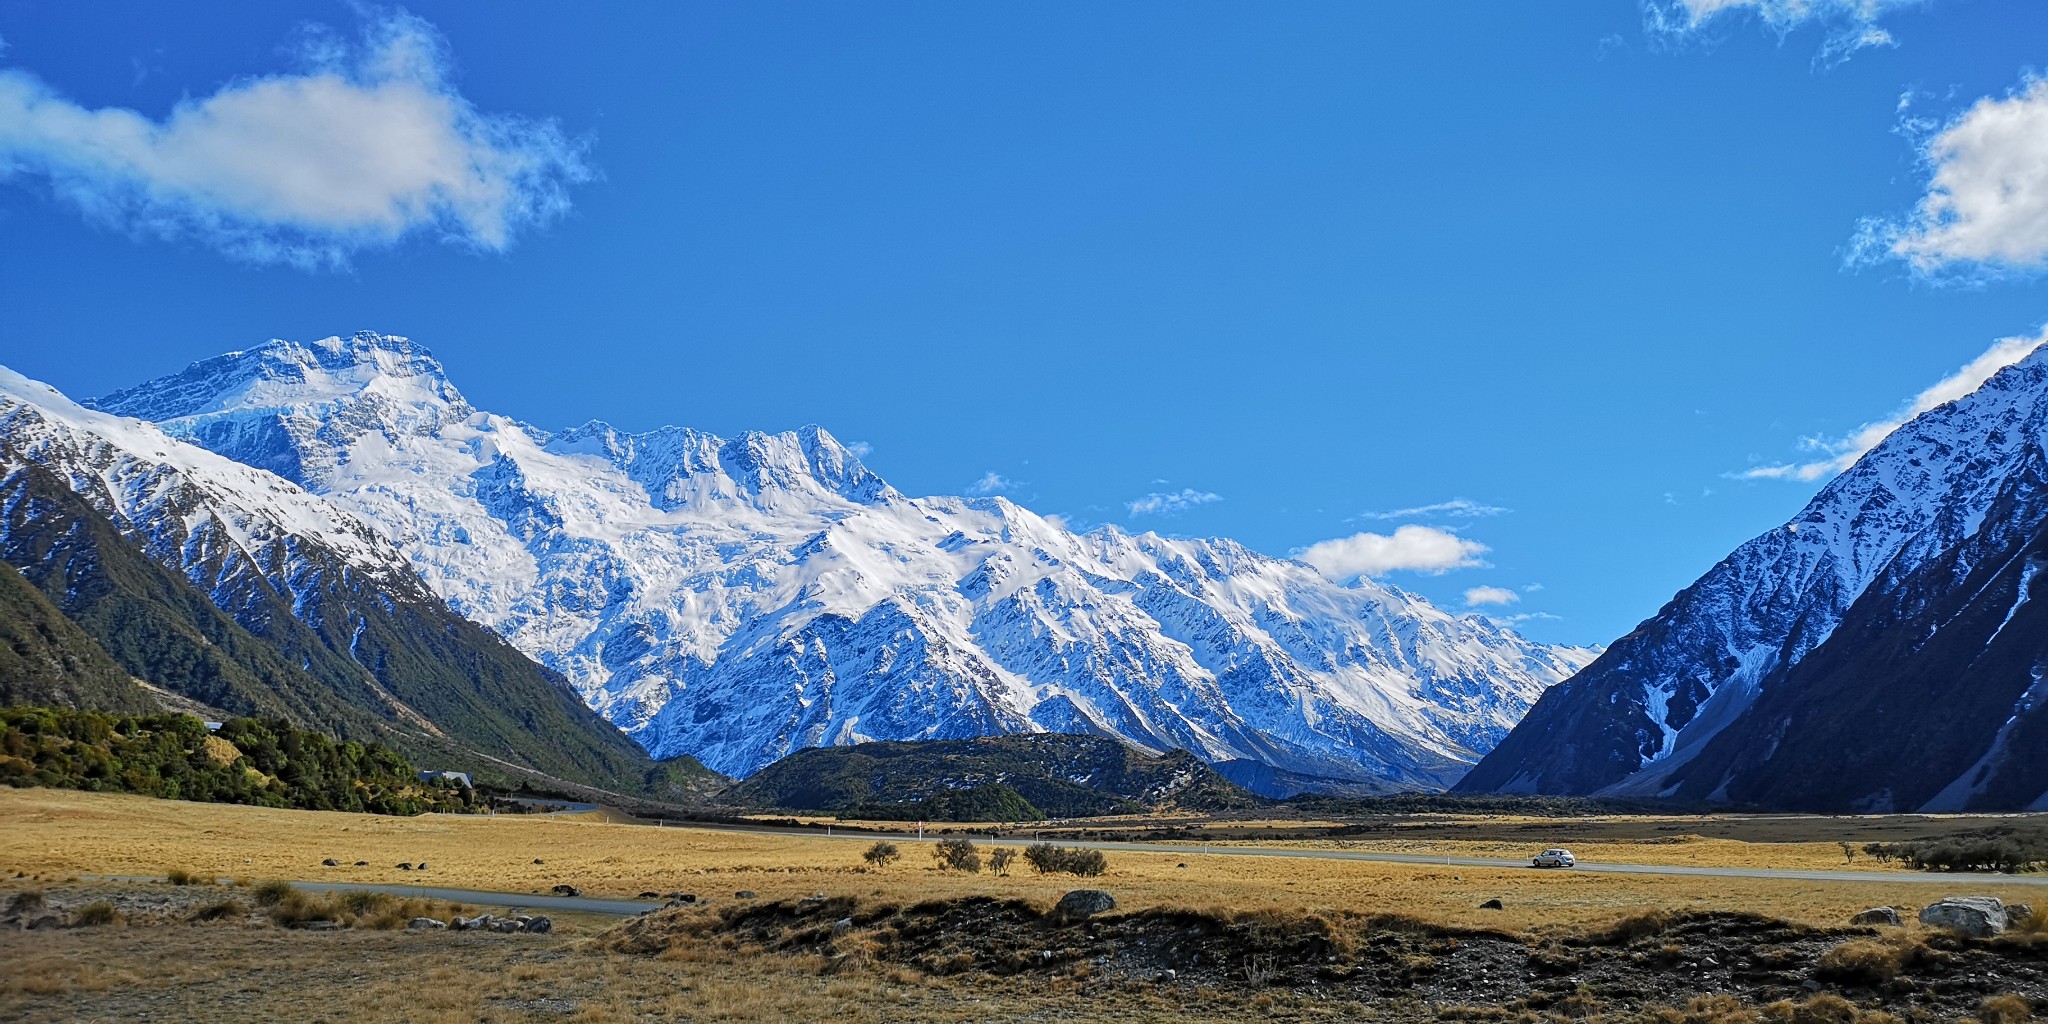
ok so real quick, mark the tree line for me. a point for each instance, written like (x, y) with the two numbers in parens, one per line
(266, 763)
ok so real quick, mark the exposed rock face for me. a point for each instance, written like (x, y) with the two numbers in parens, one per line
(1886, 650)
(1979, 917)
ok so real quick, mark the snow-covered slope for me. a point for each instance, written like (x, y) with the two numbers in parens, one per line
(358, 644)
(741, 598)
(1945, 484)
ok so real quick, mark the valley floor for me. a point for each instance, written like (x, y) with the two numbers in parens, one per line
(1194, 937)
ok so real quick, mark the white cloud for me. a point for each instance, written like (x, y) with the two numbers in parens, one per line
(368, 144)
(1851, 25)
(1986, 203)
(1412, 548)
(1456, 508)
(1841, 453)
(991, 482)
(1477, 596)
(860, 449)
(1170, 504)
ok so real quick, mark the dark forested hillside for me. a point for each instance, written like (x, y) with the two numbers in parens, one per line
(396, 668)
(993, 778)
(46, 659)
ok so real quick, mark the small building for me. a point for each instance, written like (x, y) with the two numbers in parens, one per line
(461, 777)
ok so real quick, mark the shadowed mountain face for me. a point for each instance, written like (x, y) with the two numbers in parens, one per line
(743, 598)
(47, 660)
(1056, 776)
(235, 588)
(1885, 650)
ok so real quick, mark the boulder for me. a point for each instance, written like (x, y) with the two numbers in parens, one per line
(421, 866)
(1979, 917)
(1493, 904)
(330, 863)
(842, 926)
(683, 897)
(424, 924)
(744, 894)
(407, 866)
(504, 925)
(1884, 916)
(2017, 915)
(321, 926)
(1083, 903)
(566, 890)
(540, 925)
(650, 895)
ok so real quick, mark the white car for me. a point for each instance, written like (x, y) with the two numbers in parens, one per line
(1554, 859)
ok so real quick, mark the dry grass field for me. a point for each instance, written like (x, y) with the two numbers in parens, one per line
(58, 833)
(1195, 938)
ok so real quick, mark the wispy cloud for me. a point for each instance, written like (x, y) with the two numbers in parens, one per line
(367, 144)
(991, 482)
(1838, 454)
(1477, 596)
(1170, 503)
(1456, 508)
(1409, 548)
(1850, 25)
(1985, 209)
(860, 449)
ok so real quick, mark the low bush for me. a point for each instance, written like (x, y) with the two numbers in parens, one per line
(957, 855)
(1000, 858)
(180, 876)
(1047, 859)
(881, 855)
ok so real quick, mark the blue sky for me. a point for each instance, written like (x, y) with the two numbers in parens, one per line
(1537, 282)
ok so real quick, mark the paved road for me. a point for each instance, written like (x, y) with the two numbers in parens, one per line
(1956, 879)
(485, 897)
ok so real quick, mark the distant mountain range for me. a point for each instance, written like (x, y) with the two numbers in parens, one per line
(1886, 650)
(732, 599)
(233, 590)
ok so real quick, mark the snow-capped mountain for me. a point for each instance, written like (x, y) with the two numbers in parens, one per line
(741, 598)
(1887, 625)
(326, 622)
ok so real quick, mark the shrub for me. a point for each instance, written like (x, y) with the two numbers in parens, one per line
(999, 859)
(881, 855)
(270, 894)
(225, 910)
(180, 876)
(96, 914)
(957, 855)
(1047, 859)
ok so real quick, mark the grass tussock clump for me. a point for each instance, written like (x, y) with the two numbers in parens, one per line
(225, 910)
(180, 876)
(1825, 1008)
(270, 894)
(2009, 1008)
(375, 910)
(98, 914)
(1874, 962)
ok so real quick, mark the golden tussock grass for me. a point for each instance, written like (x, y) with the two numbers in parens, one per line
(58, 832)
